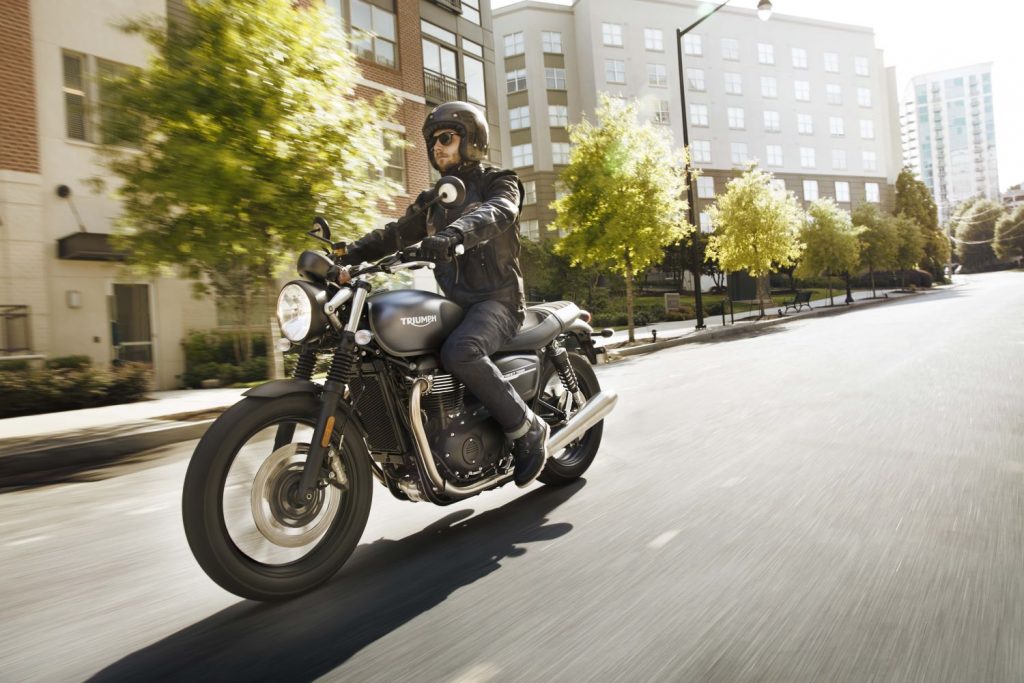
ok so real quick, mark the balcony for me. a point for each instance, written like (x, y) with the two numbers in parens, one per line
(87, 246)
(450, 5)
(438, 88)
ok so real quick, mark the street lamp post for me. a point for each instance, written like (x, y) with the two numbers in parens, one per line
(764, 10)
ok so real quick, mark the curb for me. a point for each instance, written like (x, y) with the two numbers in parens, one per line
(735, 330)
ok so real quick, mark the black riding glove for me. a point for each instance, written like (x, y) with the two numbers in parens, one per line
(439, 247)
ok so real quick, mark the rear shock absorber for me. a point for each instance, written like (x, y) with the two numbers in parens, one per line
(560, 357)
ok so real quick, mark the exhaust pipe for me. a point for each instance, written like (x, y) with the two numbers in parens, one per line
(595, 410)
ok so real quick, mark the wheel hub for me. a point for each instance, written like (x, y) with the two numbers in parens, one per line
(279, 511)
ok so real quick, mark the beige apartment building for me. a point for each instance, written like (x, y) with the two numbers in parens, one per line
(64, 289)
(810, 100)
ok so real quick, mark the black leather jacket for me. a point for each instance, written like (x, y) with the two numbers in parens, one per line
(488, 221)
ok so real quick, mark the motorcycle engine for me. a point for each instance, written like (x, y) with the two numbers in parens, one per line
(466, 442)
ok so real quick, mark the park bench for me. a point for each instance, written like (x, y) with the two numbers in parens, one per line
(799, 300)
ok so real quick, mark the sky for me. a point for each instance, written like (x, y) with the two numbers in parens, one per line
(918, 37)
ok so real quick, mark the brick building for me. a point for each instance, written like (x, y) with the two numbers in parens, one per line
(63, 289)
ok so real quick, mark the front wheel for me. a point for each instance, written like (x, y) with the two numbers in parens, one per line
(556, 406)
(244, 519)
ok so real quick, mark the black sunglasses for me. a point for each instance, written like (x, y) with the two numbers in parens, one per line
(444, 138)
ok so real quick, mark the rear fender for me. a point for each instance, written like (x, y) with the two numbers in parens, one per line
(580, 335)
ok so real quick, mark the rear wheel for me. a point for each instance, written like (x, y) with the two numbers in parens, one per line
(556, 406)
(245, 521)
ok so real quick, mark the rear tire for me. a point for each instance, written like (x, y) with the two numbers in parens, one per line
(570, 464)
(203, 503)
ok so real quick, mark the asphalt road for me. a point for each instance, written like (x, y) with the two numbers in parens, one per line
(838, 498)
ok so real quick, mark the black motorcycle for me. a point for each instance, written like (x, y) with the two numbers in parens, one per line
(278, 491)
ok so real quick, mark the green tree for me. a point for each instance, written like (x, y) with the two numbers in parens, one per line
(244, 125)
(830, 243)
(623, 204)
(1009, 235)
(915, 200)
(909, 244)
(878, 240)
(975, 234)
(755, 228)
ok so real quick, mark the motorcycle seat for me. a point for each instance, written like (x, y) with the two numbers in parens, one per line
(543, 323)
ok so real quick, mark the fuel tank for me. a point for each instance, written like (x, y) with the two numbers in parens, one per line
(410, 322)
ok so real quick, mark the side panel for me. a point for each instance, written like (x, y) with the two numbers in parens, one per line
(410, 322)
(522, 371)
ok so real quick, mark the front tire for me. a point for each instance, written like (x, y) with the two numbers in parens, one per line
(283, 550)
(555, 406)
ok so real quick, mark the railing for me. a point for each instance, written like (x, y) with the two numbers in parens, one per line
(15, 337)
(439, 88)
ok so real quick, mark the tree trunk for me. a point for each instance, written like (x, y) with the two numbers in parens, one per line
(629, 297)
(871, 268)
(762, 291)
(849, 290)
(831, 300)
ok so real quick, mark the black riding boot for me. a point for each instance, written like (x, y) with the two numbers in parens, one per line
(531, 450)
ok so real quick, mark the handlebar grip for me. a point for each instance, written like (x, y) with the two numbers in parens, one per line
(459, 249)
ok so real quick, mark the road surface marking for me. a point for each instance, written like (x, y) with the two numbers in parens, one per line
(662, 541)
(26, 541)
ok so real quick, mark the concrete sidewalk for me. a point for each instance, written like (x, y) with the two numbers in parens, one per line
(80, 439)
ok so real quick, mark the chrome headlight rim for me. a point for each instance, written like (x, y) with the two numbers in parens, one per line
(300, 313)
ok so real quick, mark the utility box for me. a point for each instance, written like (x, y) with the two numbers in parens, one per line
(671, 302)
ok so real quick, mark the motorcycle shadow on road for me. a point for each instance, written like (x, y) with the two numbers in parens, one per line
(384, 585)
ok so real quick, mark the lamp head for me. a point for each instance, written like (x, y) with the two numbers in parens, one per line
(764, 10)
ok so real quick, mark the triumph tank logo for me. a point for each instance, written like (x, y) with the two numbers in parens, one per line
(512, 374)
(420, 320)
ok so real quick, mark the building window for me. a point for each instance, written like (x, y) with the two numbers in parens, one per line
(705, 222)
(804, 124)
(778, 186)
(394, 167)
(522, 155)
(765, 53)
(810, 190)
(839, 159)
(654, 40)
(799, 58)
(514, 44)
(515, 81)
(773, 154)
(476, 87)
(90, 114)
(436, 31)
(695, 77)
(733, 84)
(864, 97)
(832, 62)
(769, 87)
(560, 153)
(833, 93)
(472, 48)
(558, 115)
(661, 115)
(554, 79)
(870, 160)
(471, 11)
(867, 129)
(802, 91)
(860, 66)
(771, 121)
(730, 49)
(657, 75)
(842, 191)
(705, 187)
(377, 41)
(807, 157)
(615, 71)
(530, 229)
(692, 45)
(871, 192)
(735, 116)
(738, 153)
(611, 34)
(560, 191)
(700, 150)
(699, 114)
(75, 107)
(519, 118)
(529, 192)
(551, 41)
(835, 126)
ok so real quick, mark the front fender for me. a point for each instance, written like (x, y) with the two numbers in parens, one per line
(283, 387)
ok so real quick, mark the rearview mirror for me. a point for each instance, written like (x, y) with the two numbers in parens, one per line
(451, 191)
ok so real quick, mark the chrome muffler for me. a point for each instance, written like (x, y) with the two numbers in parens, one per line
(595, 410)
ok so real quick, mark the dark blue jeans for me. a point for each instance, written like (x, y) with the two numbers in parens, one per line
(486, 327)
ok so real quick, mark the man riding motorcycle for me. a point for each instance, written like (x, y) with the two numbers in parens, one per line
(486, 280)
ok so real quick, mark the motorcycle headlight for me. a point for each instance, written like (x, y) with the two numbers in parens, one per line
(300, 311)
